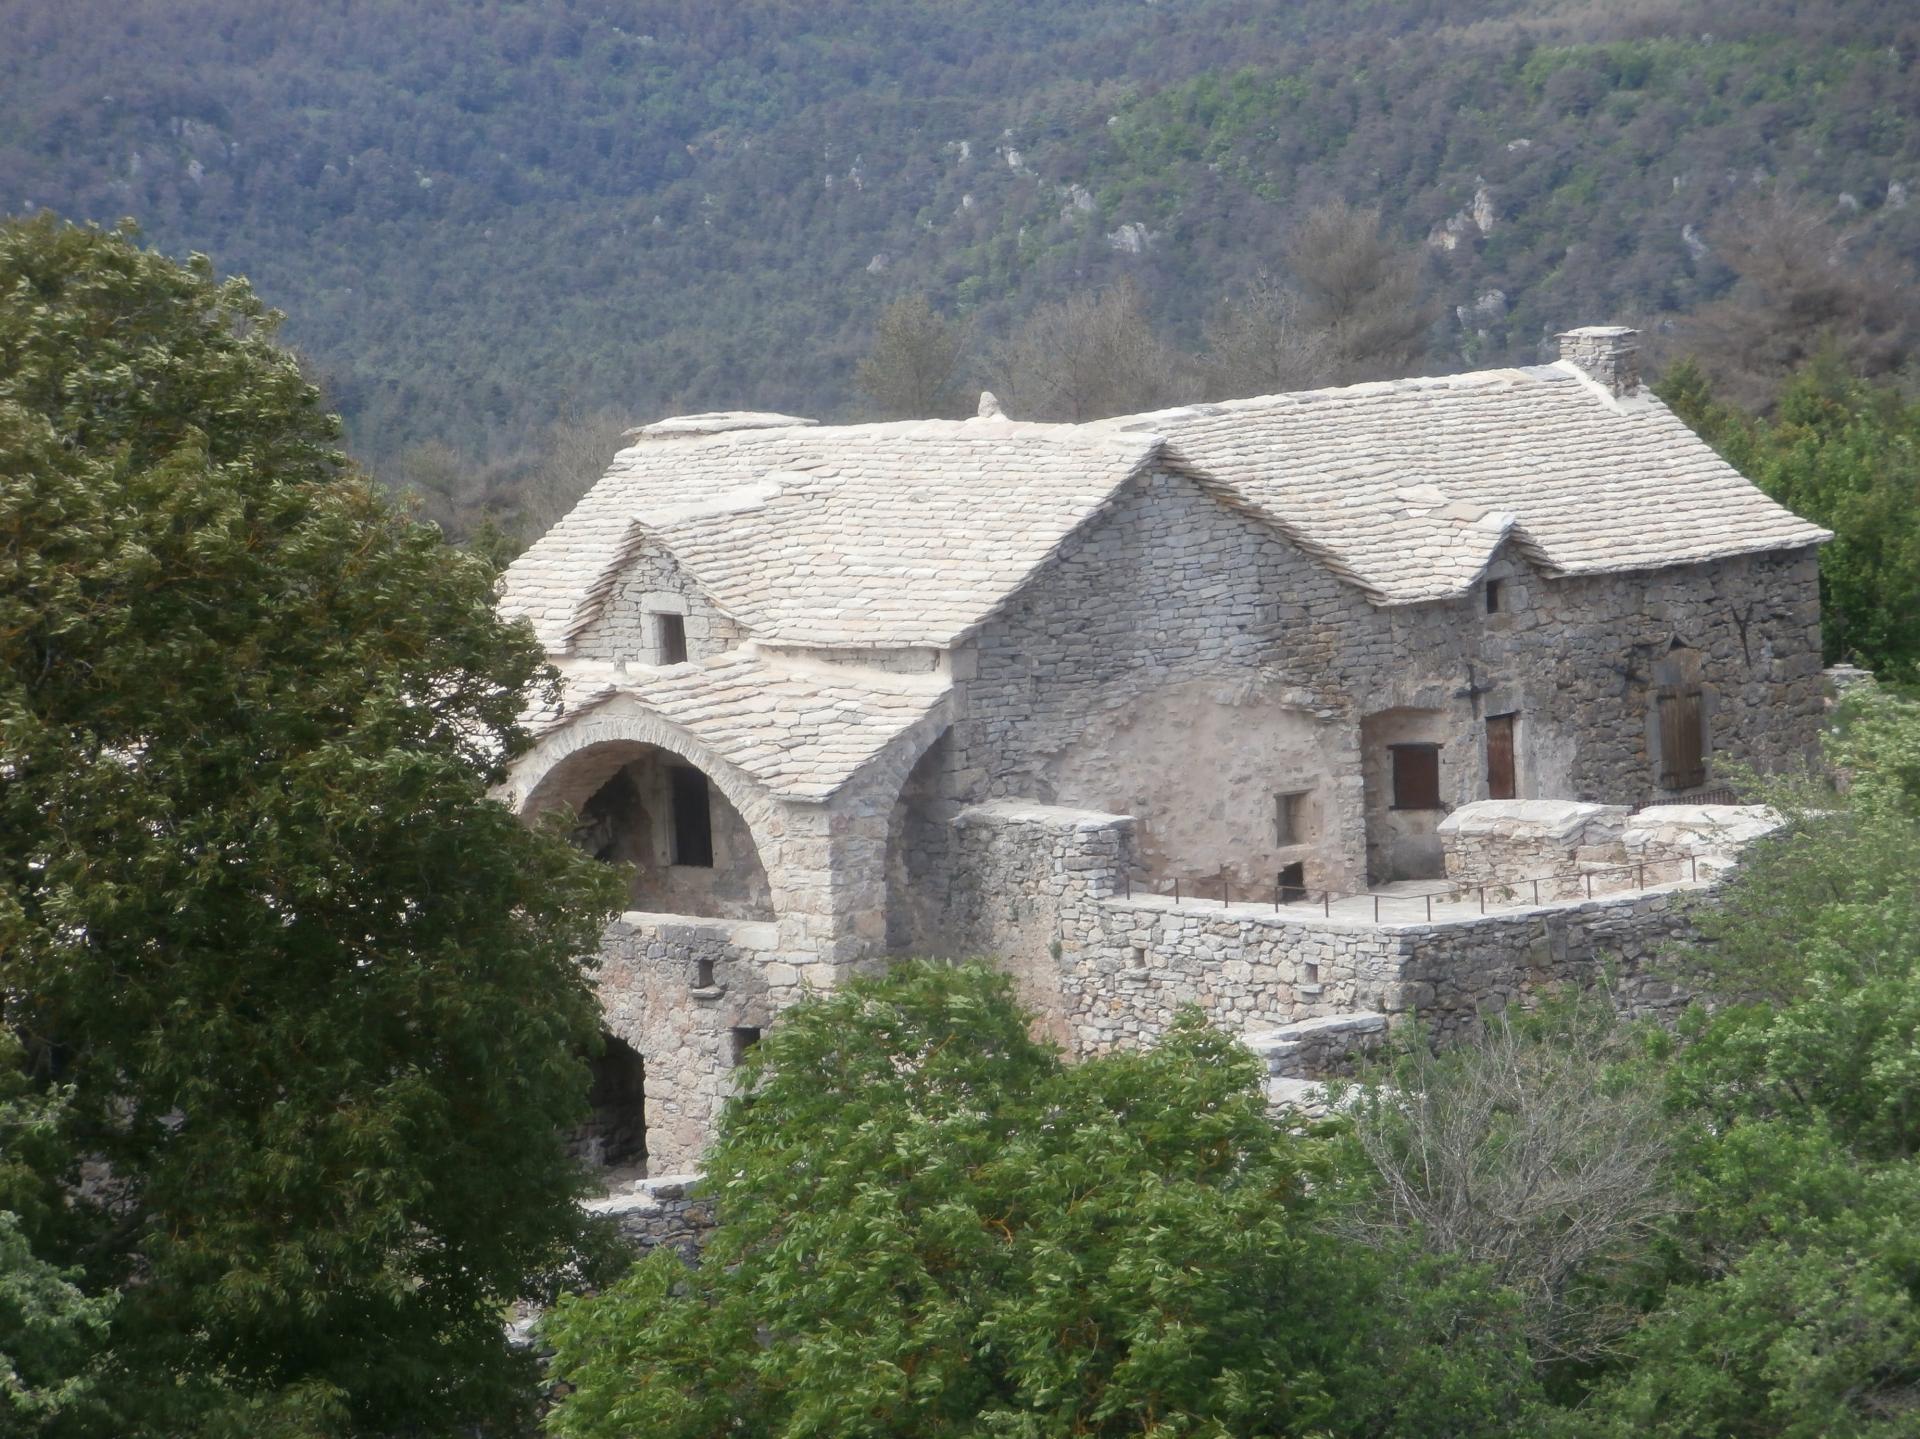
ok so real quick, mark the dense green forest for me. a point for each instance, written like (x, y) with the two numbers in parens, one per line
(484, 215)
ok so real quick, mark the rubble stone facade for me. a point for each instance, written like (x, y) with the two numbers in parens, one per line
(1218, 706)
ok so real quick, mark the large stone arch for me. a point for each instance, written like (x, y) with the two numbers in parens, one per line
(568, 765)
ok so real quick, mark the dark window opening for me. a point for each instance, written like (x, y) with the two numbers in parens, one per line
(744, 1038)
(1416, 776)
(1289, 818)
(1683, 738)
(670, 637)
(703, 974)
(1293, 883)
(1496, 598)
(1500, 767)
(617, 1132)
(692, 820)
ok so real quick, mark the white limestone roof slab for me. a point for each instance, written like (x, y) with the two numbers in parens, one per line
(1408, 487)
(897, 534)
(803, 729)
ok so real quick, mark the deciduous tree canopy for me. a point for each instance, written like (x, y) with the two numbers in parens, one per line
(309, 1000)
(930, 1226)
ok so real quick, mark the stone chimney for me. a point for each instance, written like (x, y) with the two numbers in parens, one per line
(1609, 354)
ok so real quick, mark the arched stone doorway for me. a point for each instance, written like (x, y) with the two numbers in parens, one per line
(686, 846)
(615, 1135)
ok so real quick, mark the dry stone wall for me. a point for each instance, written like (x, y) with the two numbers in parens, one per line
(1109, 971)
(655, 584)
(684, 992)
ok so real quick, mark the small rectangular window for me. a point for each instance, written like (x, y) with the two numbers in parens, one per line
(744, 1038)
(1290, 818)
(1496, 597)
(1416, 776)
(692, 820)
(670, 638)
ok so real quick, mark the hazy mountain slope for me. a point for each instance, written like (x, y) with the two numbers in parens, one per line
(477, 212)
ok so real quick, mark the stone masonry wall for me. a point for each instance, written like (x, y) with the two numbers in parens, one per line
(1496, 842)
(654, 584)
(1180, 662)
(1108, 971)
(687, 1032)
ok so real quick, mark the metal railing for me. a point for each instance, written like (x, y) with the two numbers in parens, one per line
(1507, 891)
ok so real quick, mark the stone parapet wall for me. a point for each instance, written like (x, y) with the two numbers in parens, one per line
(1109, 971)
(1499, 842)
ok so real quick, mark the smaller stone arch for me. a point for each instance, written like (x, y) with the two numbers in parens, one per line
(633, 785)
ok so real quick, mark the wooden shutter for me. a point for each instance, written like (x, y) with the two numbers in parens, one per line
(1683, 739)
(1500, 771)
(1416, 776)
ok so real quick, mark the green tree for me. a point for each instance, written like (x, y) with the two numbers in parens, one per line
(51, 1332)
(1846, 454)
(1792, 1303)
(929, 1225)
(1363, 295)
(913, 370)
(311, 996)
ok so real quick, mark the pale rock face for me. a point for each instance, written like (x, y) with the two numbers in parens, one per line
(1484, 215)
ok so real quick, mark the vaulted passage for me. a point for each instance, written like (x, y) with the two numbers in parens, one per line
(686, 846)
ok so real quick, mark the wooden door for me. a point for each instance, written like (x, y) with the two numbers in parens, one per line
(1683, 739)
(1500, 770)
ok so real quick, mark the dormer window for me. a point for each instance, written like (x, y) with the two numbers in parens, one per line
(670, 638)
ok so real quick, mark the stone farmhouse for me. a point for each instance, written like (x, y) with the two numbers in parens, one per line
(1150, 709)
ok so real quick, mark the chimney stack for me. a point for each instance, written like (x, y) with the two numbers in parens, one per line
(1608, 354)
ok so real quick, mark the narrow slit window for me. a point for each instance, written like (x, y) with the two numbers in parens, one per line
(670, 638)
(1416, 776)
(1290, 818)
(1496, 596)
(692, 820)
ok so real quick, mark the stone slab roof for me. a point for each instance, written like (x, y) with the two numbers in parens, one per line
(802, 729)
(1408, 487)
(899, 534)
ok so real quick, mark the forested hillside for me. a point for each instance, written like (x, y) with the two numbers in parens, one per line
(483, 214)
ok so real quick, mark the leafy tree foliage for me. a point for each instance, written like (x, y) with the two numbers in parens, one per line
(930, 1226)
(1845, 453)
(51, 1331)
(1792, 1306)
(309, 998)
